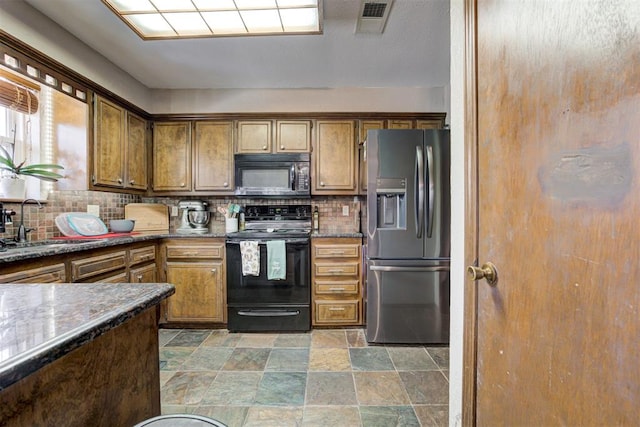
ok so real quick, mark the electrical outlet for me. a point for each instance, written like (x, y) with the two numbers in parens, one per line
(93, 210)
(345, 210)
(174, 211)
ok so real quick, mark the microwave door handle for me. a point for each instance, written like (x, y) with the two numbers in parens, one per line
(293, 177)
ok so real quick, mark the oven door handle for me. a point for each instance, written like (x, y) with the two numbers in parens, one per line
(268, 313)
(264, 241)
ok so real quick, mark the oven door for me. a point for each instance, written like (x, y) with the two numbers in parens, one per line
(295, 289)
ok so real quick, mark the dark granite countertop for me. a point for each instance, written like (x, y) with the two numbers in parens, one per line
(64, 246)
(40, 323)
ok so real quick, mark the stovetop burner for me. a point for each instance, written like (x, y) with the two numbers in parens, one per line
(275, 222)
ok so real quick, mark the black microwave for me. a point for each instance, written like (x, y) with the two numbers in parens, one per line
(272, 175)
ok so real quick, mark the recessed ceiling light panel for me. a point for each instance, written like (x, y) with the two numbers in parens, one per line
(159, 19)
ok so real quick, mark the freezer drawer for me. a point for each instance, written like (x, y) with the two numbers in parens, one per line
(407, 303)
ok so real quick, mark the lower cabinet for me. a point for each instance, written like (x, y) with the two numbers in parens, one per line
(337, 282)
(54, 273)
(196, 267)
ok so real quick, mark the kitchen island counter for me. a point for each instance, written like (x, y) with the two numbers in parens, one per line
(92, 348)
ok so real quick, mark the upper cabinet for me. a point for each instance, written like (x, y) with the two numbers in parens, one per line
(399, 124)
(257, 136)
(213, 156)
(119, 147)
(172, 156)
(335, 165)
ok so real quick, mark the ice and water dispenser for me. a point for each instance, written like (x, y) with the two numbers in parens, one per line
(391, 196)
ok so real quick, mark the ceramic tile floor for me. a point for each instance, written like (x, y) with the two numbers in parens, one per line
(321, 378)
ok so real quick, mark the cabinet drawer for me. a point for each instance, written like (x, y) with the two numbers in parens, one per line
(324, 287)
(116, 278)
(337, 251)
(194, 251)
(49, 274)
(92, 266)
(140, 255)
(336, 311)
(343, 268)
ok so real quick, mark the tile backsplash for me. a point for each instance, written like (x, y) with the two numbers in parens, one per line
(330, 208)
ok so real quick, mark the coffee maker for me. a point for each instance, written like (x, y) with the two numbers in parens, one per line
(195, 217)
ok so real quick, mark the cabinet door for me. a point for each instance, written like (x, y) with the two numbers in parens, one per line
(172, 156)
(48, 274)
(400, 124)
(199, 295)
(213, 151)
(136, 163)
(365, 126)
(254, 136)
(334, 164)
(144, 274)
(108, 143)
(293, 136)
(429, 124)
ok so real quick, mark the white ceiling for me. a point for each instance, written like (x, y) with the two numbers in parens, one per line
(413, 51)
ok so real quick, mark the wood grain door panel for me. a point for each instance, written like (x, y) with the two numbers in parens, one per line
(213, 149)
(558, 194)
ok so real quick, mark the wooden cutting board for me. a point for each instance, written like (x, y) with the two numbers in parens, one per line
(148, 216)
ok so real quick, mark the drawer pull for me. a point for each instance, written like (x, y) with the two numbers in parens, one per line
(336, 289)
(213, 270)
(139, 278)
(336, 308)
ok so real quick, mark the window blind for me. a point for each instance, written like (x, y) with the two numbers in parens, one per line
(17, 93)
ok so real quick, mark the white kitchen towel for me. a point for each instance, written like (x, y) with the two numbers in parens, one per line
(250, 253)
(276, 260)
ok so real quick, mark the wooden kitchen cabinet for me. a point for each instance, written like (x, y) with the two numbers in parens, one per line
(430, 124)
(107, 266)
(196, 267)
(172, 156)
(399, 124)
(335, 158)
(54, 273)
(119, 147)
(293, 136)
(142, 265)
(337, 282)
(213, 156)
(256, 136)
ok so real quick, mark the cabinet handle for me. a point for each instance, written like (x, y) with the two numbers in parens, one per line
(213, 270)
(182, 184)
(336, 308)
(321, 183)
(140, 278)
(264, 147)
(336, 289)
(119, 180)
(226, 184)
(282, 147)
(133, 181)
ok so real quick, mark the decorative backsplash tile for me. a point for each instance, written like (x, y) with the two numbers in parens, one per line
(112, 206)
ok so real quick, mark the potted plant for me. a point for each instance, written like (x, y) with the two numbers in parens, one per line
(12, 186)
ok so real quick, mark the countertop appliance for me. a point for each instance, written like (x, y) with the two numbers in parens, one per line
(408, 236)
(195, 217)
(273, 175)
(255, 302)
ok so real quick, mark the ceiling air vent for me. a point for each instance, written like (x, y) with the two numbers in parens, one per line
(373, 16)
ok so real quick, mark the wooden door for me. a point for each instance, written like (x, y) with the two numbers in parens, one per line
(365, 126)
(136, 170)
(108, 143)
(293, 136)
(172, 156)
(254, 136)
(199, 295)
(334, 164)
(213, 149)
(558, 91)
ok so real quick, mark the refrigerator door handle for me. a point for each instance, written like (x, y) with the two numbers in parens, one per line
(419, 210)
(432, 190)
(399, 268)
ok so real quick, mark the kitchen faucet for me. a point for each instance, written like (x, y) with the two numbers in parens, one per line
(22, 230)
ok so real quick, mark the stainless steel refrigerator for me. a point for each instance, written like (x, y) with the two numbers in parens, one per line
(408, 236)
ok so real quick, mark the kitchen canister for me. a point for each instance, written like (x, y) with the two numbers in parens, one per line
(231, 225)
